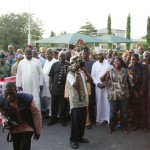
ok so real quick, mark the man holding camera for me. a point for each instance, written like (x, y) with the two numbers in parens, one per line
(78, 96)
(21, 116)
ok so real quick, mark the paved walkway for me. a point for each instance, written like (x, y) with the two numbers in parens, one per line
(56, 137)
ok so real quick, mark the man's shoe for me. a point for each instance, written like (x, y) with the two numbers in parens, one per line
(47, 117)
(134, 128)
(110, 130)
(52, 121)
(145, 129)
(83, 140)
(74, 145)
(88, 126)
(125, 131)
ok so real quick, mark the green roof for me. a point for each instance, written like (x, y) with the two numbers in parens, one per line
(115, 39)
(70, 39)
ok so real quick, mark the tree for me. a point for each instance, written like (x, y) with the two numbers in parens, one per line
(128, 31)
(109, 25)
(52, 33)
(14, 30)
(87, 29)
(148, 32)
(63, 32)
(109, 29)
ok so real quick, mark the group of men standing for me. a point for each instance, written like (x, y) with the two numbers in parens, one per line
(49, 81)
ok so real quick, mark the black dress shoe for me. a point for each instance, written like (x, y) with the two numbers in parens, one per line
(110, 130)
(47, 117)
(125, 130)
(83, 140)
(52, 121)
(63, 123)
(74, 145)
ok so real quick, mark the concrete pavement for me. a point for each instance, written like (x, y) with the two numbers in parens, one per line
(56, 137)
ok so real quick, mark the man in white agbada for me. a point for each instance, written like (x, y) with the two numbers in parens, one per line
(46, 69)
(102, 103)
(29, 78)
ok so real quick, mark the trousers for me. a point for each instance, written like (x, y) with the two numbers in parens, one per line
(22, 141)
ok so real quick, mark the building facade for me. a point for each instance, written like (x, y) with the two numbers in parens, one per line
(116, 32)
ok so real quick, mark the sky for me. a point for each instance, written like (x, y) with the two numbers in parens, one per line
(70, 15)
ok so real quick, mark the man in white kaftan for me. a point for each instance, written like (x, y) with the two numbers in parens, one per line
(46, 69)
(29, 78)
(102, 103)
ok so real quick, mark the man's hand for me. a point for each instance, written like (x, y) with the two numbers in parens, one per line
(36, 136)
(132, 75)
(107, 73)
(130, 72)
(129, 55)
(83, 69)
(105, 76)
(6, 126)
(99, 85)
(75, 67)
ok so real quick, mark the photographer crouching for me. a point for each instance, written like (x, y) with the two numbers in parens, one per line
(21, 116)
(78, 96)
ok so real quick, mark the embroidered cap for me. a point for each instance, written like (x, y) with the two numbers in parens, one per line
(100, 51)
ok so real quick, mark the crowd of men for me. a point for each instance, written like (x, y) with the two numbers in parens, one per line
(73, 84)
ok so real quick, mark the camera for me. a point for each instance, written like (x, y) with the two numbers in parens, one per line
(8, 123)
(76, 63)
(81, 63)
(11, 123)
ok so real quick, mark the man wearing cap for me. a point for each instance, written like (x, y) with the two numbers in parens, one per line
(102, 103)
(11, 55)
(29, 78)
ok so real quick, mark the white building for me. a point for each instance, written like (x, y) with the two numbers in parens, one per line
(116, 32)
